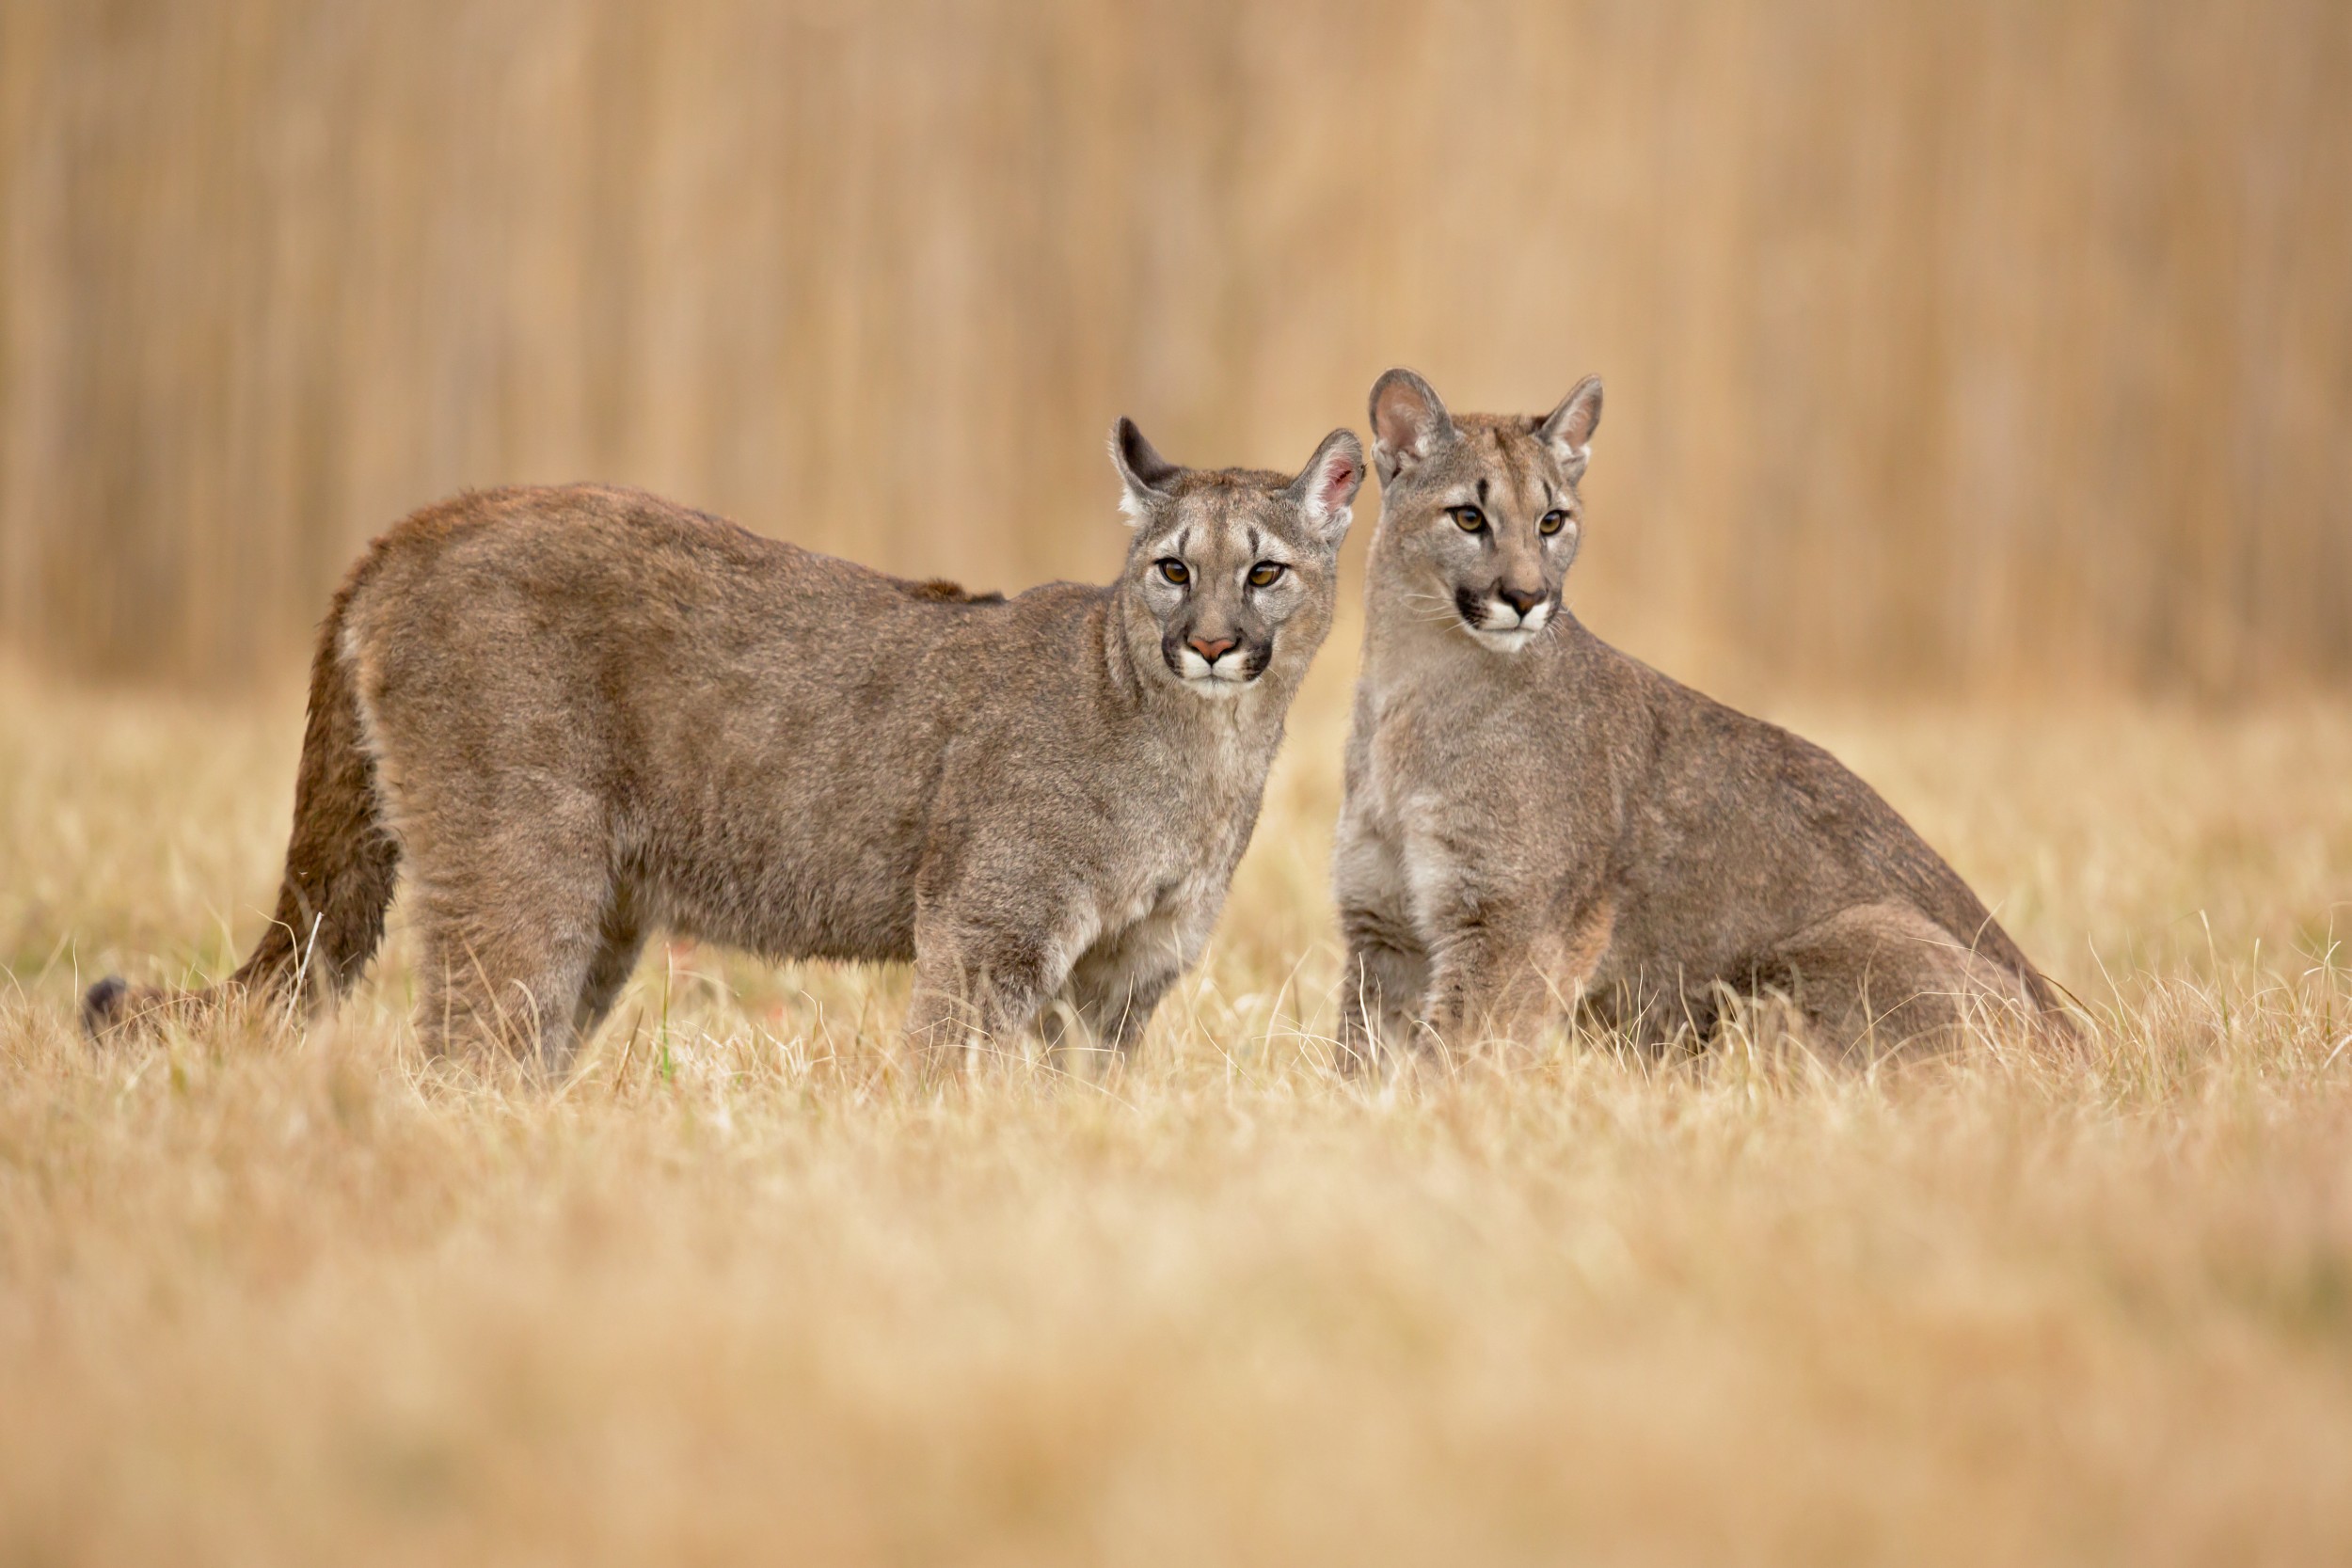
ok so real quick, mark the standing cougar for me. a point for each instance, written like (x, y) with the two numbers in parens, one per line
(1534, 819)
(579, 715)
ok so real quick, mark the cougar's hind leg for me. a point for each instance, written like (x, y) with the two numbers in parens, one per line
(1882, 979)
(496, 978)
(512, 924)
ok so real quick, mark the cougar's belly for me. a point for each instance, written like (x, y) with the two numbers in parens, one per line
(793, 828)
(787, 900)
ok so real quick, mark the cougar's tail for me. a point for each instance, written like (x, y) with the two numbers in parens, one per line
(340, 864)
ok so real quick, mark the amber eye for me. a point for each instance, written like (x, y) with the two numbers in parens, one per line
(1175, 571)
(1553, 522)
(1265, 573)
(1468, 518)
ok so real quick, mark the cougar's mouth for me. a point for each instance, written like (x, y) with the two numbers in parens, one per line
(1496, 624)
(1228, 675)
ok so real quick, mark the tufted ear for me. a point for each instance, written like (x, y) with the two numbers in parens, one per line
(1408, 422)
(1325, 489)
(1147, 475)
(1569, 429)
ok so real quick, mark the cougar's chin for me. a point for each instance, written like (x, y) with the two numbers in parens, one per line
(1508, 641)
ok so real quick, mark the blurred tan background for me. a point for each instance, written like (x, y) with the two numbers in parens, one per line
(2001, 347)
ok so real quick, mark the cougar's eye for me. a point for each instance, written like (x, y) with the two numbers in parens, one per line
(1468, 518)
(1265, 573)
(1175, 570)
(1553, 521)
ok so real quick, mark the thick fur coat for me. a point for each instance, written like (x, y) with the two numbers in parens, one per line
(1536, 823)
(575, 717)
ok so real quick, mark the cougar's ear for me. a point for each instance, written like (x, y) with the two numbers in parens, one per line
(1147, 475)
(1325, 490)
(1408, 422)
(1567, 430)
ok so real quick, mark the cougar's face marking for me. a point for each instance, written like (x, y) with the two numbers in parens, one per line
(1481, 512)
(1219, 574)
(1492, 524)
(1235, 566)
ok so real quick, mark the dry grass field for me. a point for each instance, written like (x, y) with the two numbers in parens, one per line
(733, 1293)
(1984, 366)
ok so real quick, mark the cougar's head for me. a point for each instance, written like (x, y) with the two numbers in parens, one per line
(1480, 514)
(1236, 567)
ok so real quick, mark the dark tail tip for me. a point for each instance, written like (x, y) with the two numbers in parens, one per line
(102, 1007)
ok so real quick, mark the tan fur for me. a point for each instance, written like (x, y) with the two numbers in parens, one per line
(1535, 822)
(580, 716)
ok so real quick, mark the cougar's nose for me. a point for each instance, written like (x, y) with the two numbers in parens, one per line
(1521, 599)
(1209, 649)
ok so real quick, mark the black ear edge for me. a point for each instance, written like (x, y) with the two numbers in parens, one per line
(1138, 462)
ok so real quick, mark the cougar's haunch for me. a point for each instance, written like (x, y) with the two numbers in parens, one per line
(1536, 823)
(577, 716)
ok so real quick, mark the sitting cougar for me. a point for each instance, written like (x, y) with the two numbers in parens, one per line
(1534, 821)
(580, 714)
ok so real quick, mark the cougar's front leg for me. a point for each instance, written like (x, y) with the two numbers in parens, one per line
(1113, 1002)
(1474, 993)
(511, 922)
(1118, 982)
(1500, 972)
(1387, 972)
(1381, 985)
(979, 982)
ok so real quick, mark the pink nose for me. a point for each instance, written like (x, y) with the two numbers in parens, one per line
(1209, 650)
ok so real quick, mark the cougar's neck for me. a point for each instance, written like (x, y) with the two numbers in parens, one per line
(1113, 623)
(1130, 654)
(1411, 633)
